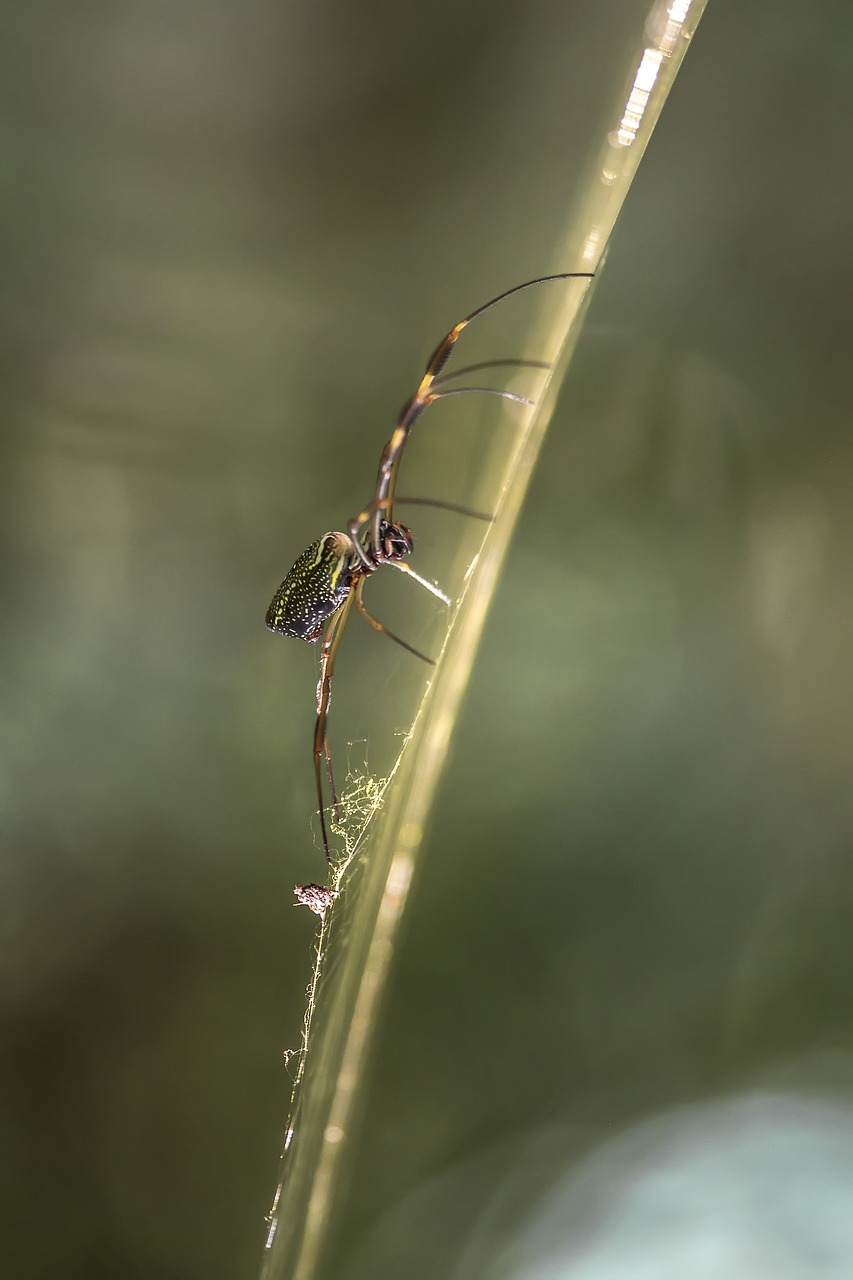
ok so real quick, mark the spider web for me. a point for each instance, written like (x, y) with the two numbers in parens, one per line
(359, 803)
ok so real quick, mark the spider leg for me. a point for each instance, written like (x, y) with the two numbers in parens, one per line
(324, 692)
(392, 454)
(505, 363)
(382, 503)
(424, 582)
(377, 626)
(447, 506)
(489, 391)
(332, 789)
(355, 526)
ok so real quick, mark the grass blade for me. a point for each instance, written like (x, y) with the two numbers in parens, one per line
(385, 820)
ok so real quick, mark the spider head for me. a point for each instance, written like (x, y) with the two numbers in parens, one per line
(395, 541)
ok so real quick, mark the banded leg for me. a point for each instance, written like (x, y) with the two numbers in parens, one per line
(377, 626)
(324, 692)
(390, 462)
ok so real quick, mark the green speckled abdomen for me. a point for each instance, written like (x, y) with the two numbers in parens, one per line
(315, 588)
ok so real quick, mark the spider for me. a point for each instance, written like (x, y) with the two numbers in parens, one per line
(318, 593)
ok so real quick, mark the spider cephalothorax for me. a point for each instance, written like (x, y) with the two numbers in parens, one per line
(395, 540)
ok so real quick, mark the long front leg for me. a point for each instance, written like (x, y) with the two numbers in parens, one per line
(389, 464)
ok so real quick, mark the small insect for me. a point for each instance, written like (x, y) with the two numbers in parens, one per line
(318, 593)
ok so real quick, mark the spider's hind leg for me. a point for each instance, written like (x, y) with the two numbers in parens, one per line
(324, 694)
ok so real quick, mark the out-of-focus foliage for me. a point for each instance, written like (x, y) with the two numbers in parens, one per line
(231, 235)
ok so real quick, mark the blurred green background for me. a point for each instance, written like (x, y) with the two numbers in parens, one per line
(232, 233)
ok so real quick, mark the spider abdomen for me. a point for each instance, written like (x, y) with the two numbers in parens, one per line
(314, 589)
